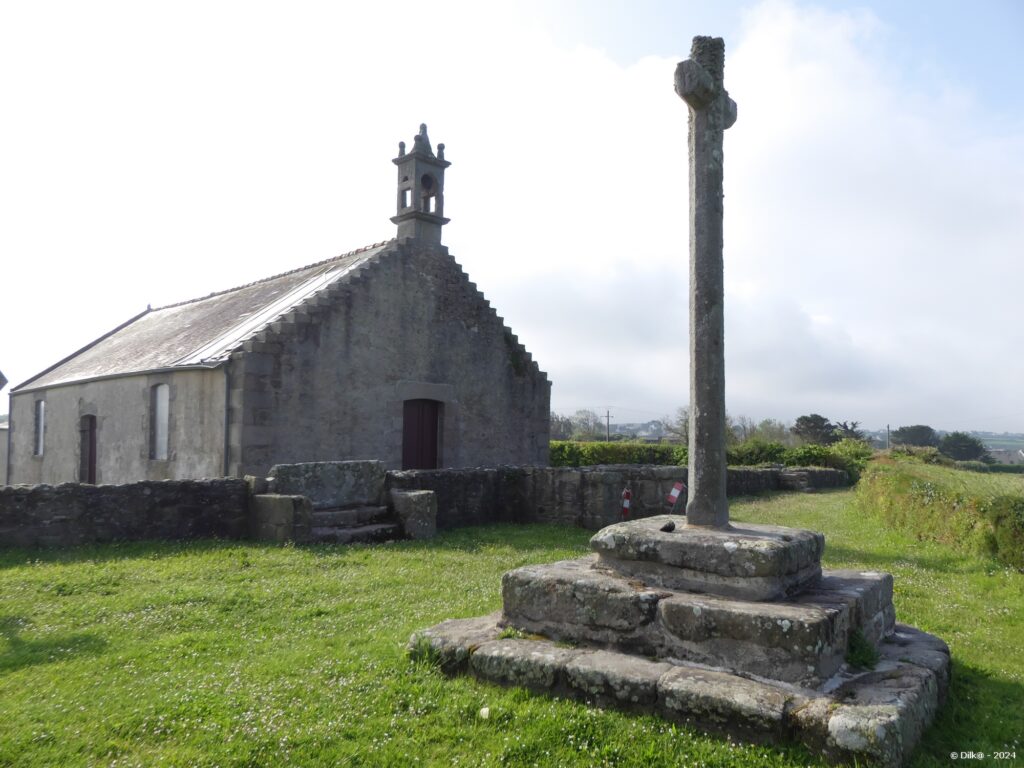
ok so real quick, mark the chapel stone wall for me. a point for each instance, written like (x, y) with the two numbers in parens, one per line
(410, 325)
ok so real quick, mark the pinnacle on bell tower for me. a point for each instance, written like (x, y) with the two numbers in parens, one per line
(420, 190)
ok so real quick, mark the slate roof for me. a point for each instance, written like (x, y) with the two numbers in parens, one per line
(201, 333)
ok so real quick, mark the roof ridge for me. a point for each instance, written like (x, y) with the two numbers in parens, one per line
(275, 277)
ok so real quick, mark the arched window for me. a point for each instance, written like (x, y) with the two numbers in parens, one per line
(159, 416)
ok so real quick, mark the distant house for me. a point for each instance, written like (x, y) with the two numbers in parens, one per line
(387, 352)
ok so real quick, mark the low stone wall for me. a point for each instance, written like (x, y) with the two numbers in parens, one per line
(68, 514)
(589, 497)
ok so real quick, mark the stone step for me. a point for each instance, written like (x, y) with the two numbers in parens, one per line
(873, 717)
(801, 641)
(347, 518)
(362, 534)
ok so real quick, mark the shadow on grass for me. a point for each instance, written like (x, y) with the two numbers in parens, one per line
(121, 550)
(520, 537)
(839, 554)
(27, 653)
(984, 712)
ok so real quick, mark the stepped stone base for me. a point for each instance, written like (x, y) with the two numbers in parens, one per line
(800, 641)
(737, 631)
(876, 716)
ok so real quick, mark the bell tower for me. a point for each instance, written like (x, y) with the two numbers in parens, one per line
(420, 190)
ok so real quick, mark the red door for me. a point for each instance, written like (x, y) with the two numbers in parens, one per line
(419, 434)
(87, 450)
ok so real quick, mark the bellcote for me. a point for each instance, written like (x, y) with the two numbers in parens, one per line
(420, 190)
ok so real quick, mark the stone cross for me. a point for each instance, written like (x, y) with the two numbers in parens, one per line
(698, 82)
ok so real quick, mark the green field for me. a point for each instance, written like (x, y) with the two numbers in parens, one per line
(241, 654)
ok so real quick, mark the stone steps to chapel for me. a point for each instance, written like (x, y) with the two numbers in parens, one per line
(360, 534)
(349, 517)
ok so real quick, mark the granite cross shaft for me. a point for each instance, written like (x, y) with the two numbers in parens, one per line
(698, 82)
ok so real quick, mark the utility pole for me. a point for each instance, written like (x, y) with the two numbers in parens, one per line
(887, 437)
(607, 425)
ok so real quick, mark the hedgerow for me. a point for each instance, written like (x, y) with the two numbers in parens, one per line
(570, 453)
(849, 455)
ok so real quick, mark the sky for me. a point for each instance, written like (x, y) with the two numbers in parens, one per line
(874, 183)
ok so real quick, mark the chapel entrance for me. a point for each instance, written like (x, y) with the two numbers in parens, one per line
(420, 420)
(87, 450)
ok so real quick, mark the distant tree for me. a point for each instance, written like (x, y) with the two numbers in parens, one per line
(587, 425)
(744, 427)
(815, 428)
(678, 427)
(917, 434)
(849, 431)
(962, 447)
(561, 427)
(775, 431)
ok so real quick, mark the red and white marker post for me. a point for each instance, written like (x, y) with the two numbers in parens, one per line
(627, 497)
(677, 490)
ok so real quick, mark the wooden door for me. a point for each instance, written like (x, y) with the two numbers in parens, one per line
(419, 434)
(87, 450)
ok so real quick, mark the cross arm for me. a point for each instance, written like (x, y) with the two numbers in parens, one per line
(694, 84)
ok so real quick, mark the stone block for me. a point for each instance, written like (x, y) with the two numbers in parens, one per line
(529, 663)
(908, 645)
(332, 483)
(745, 561)
(866, 594)
(417, 513)
(279, 518)
(570, 600)
(452, 642)
(795, 643)
(724, 703)
(616, 678)
(879, 717)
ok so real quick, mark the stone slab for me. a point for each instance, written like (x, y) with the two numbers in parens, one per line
(451, 642)
(527, 663)
(877, 717)
(617, 679)
(331, 484)
(725, 703)
(570, 600)
(803, 644)
(747, 560)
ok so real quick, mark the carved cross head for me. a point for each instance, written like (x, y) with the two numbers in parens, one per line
(699, 79)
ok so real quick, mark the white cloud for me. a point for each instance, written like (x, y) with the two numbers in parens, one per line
(159, 156)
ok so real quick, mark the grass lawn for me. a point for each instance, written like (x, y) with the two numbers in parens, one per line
(240, 654)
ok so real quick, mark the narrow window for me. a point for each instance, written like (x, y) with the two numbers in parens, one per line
(406, 197)
(159, 411)
(40, 427)
(87, 449)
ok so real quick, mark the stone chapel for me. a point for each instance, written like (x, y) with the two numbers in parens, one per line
(387, 352)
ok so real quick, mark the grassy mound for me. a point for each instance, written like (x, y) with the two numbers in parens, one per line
(983, 513)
